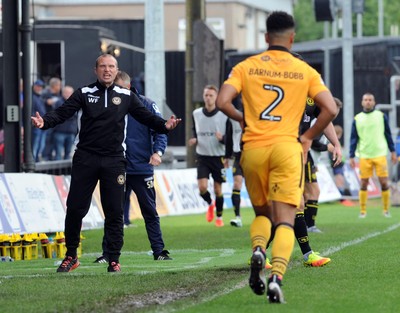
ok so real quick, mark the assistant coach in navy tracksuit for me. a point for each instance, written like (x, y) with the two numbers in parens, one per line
(100, 154)
(144, 148)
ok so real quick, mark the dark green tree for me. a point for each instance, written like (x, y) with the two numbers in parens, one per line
(370, 17)
(309, 29)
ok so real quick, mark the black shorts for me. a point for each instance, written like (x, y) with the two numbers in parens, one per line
(207, 165)
(310, 170)
(236, 168)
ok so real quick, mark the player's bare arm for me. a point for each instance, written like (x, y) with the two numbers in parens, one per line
(330, 133)
(393, 157)
(224, 102)
(328, 109)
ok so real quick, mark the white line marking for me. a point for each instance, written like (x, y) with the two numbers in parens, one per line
(332, 250)
(170, 266)
(244, 283)
(225, 252)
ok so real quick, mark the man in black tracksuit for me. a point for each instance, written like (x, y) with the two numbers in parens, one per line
(100, 155)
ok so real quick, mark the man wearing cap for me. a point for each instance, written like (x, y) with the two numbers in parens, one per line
(38, 105)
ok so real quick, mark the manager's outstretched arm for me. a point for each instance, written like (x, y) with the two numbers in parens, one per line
(37, 120)
(172, 122)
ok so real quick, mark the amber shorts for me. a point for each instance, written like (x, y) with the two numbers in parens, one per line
(274, 172)
(367, 167)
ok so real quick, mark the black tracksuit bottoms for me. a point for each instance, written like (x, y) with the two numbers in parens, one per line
(88, 169)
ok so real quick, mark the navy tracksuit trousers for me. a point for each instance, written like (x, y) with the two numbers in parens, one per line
(143, 187)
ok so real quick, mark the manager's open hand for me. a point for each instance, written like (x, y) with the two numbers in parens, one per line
(37, 120)
(172, 122)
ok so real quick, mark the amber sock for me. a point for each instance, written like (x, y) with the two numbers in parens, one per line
(363, 196)
(282, 248)
(260, 232)
(386, 200)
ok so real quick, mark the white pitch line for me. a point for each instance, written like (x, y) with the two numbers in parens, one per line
(225, 252)
(353, 242)
(244, 283)
(171, 266)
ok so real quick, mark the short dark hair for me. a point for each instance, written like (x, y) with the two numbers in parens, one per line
(279, 21)
(368, 93)
(212, 87)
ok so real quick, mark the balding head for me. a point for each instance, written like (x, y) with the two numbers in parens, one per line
(67, 91)
(106, 69)
(123, 79)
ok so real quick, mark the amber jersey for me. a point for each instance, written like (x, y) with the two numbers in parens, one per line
(274, 86)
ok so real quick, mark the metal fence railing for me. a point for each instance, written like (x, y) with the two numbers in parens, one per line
(62, 167)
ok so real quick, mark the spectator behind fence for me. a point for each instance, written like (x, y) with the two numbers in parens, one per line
(64, 134)
(38, 105)
(51, 95)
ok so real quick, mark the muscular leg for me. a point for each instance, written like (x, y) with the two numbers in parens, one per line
(260, 228)
(384, 181)
(300, 230)
(363, 195)
(283, 243)
(202, 183)
(219, 198)
(311, 195)
(205, 194)
(237, 186)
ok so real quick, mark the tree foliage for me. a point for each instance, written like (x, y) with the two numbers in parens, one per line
(309, 29)
(391, 16)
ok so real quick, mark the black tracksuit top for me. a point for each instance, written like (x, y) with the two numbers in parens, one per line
(102, 117)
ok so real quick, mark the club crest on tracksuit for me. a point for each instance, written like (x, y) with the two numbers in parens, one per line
(121, 179)
(116, 100)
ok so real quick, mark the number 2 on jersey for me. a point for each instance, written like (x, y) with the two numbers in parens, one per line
(266, 114)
